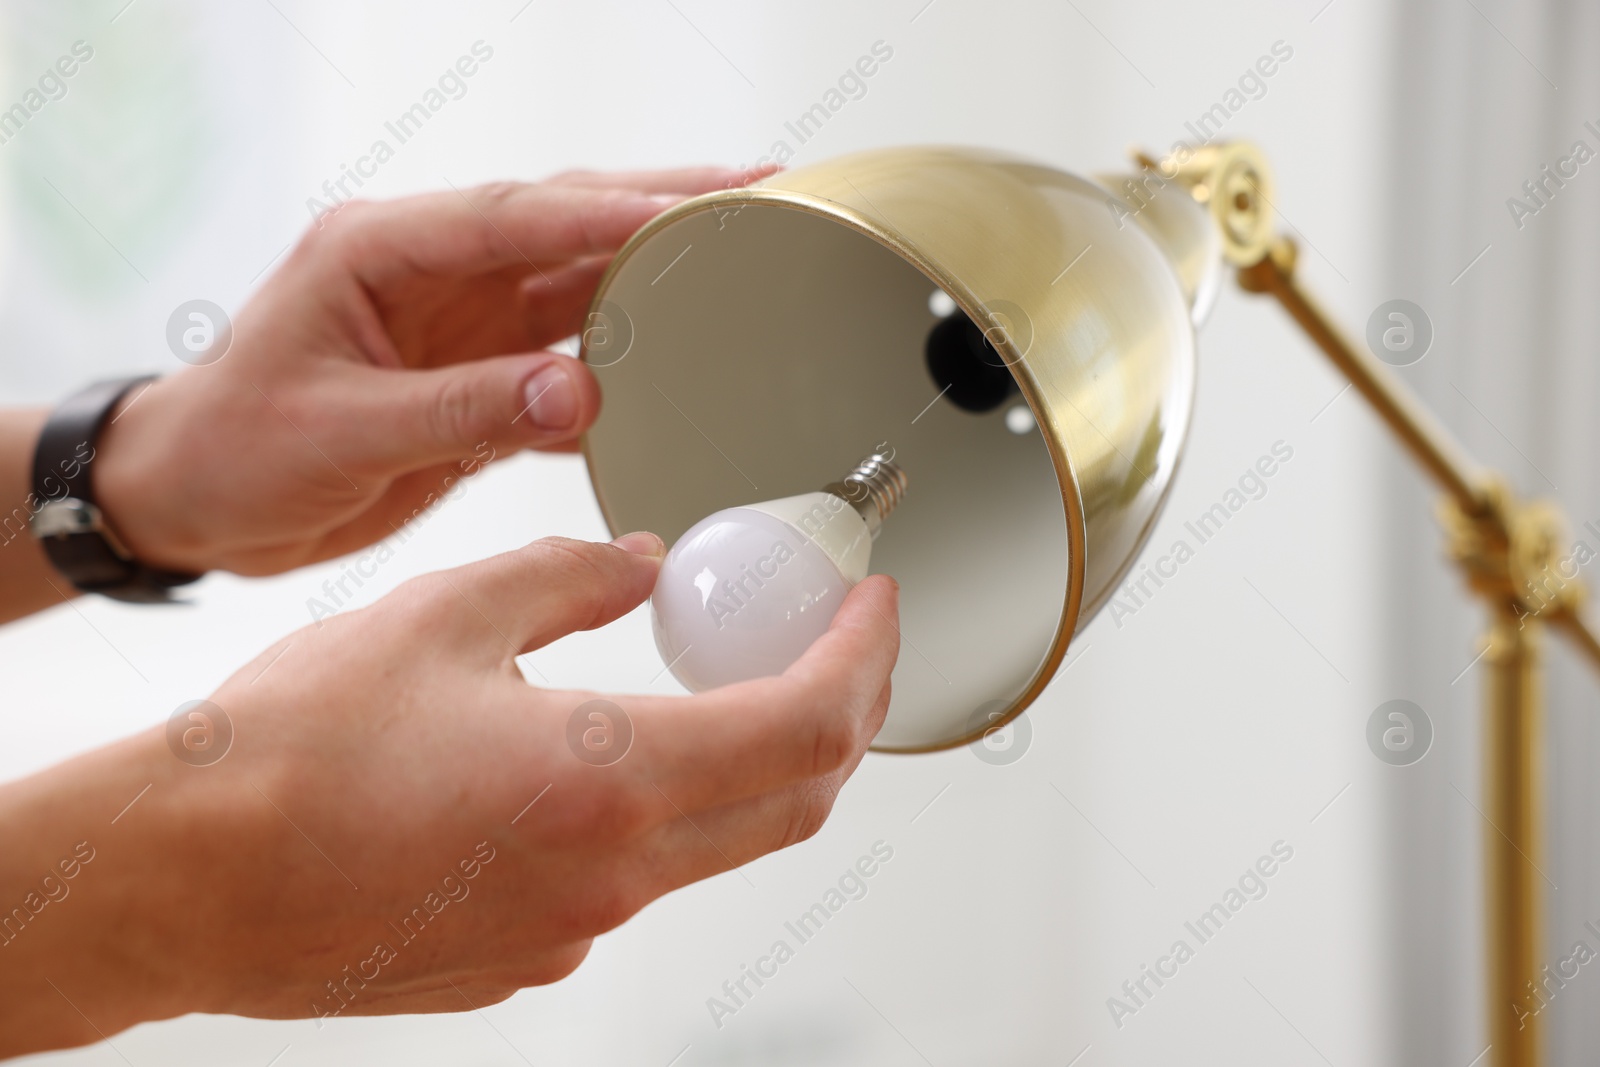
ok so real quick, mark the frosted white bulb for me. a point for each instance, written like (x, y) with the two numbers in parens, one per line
(745, 591)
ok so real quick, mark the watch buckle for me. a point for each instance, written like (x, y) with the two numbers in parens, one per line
(69, 516)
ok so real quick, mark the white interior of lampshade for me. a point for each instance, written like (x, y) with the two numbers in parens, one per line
(760, 354)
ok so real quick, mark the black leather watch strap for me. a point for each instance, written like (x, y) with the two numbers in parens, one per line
(67, 521)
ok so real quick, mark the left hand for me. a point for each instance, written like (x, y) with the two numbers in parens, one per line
(372, 779)
(395, 351)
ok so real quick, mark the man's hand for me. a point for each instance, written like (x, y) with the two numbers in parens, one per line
(403, 824)
(396, 349)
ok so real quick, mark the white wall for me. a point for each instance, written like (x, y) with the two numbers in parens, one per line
(1217, 720)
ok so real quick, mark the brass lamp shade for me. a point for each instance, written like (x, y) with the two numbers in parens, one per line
(754, 343)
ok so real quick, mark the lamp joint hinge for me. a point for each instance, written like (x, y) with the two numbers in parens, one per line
(1517, 553)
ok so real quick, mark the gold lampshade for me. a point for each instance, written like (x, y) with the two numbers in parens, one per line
(753, 343)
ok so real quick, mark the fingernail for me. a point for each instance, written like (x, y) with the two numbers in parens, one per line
(642, 543)
(551, 400)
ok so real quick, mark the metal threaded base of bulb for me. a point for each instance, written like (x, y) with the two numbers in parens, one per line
(874, 488)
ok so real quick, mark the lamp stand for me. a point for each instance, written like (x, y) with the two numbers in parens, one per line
(1513, 776)
(1510, 553)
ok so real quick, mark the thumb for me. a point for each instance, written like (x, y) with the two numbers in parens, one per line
(413, 418)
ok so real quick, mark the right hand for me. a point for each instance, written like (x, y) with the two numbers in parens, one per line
(390, 747)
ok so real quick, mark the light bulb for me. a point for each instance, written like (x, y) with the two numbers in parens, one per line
(745, 591)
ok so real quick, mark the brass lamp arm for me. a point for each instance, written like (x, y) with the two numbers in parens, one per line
(1511, 553)
(1428, 442)
(1580, 633)
(1510, 549)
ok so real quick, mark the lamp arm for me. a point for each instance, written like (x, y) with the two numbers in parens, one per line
(1579, 632)
(1510, 549)
(1427, 441)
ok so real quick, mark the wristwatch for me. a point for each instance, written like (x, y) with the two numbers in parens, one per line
(68, 523)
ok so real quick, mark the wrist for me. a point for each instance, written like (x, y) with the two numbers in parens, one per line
(26, 576)
(101, 897)
(134, 476)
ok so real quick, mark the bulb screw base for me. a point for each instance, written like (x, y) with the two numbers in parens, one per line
(874, 489)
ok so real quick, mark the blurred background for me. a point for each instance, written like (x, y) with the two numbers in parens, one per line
(1179, 744)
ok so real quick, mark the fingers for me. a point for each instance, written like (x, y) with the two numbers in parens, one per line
(408, 499)
(522, 600)
(756, 737)
(682, 846)
(700, 844)
(689, 181)
(394, 421)
(486, 227)
(470, 230)
(553, 303)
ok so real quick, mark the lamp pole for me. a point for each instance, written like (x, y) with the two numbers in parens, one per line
(1509, 551)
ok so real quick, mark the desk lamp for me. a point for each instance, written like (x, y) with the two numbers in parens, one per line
(1023, 340)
